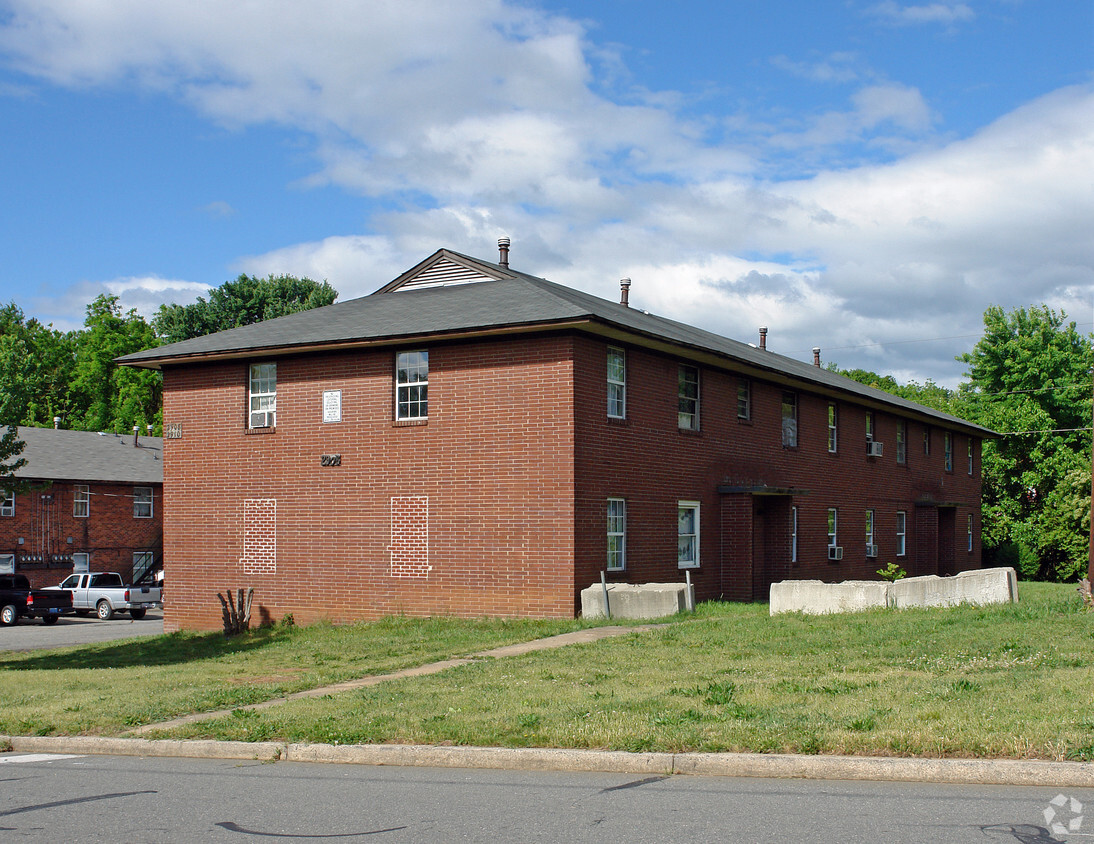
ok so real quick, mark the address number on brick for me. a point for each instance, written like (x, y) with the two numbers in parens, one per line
(330, 460)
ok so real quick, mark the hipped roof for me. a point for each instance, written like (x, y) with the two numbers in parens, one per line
(468, 297)
(83, 456)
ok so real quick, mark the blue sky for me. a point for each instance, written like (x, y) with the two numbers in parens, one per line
(862, 176)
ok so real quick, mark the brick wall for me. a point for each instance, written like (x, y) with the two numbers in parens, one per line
(745, 540)
(488, 479)
(110, 534)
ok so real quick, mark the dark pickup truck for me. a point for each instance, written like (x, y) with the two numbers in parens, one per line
(17, 599)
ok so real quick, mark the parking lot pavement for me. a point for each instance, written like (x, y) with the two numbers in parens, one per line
(32, 634)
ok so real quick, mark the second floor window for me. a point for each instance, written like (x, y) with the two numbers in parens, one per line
(790, 420)
(142, 502)
(412, 385)
(263, 395)
(901, 441)
(7, 503)
(617, 383)
(688, 397)
(947, 444)
(81, 501)
(832, 424)
(970, 455)
(744, 400)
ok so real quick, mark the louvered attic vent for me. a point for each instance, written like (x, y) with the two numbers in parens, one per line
(443, 274)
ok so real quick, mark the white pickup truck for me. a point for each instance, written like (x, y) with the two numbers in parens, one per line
(106, 593)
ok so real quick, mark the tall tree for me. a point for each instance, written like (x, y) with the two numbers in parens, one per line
(107, 397)
(36, 368)
(1029, 378)
(244, 301)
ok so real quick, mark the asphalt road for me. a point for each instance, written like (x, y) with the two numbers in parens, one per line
(32, 634)
(100, 798)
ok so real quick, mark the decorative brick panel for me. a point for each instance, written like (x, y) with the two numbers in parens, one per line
(259, 536)
(410, 536)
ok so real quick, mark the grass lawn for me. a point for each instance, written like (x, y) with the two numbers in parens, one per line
(1008, 681)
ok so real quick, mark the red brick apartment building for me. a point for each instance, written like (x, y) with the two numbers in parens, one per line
(471, 440)
(91, 502)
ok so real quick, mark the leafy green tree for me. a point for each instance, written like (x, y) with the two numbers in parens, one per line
(1029, 378)
(105, 396)
(244, 301)
(36, 367)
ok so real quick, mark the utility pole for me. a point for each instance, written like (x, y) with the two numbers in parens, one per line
(1090, 546)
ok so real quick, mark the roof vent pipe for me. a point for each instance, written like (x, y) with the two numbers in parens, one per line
(503, 251)
(148, 429)
(816, 356)
(625, 292)
(763, 336)
(135, 441)
(56, 422)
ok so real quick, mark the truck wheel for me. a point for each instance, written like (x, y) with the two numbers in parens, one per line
(104, 610)
(137, 614)
(50, 619)
(9, 615)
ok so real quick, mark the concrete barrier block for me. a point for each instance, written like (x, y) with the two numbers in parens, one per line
(979, 586)
(817, 597)
(635, 600)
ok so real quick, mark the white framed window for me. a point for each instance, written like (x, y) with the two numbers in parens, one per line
(927, 441)
(970, 456)
(871, 539)
(970, 532)
(142, 502)
(833, 423)
(947, 444)
(833, 527)
(7, 503)
(617, 383)
(790, 419)
(7, 564)
(687, 534)
(412, 385)
(687, 378)
(142, 564)
(793, 534)
(81, 562)
(617, 534)
(744, 399)
(262, 389)
(869, 428)
(81, 501)
(901, 441)
(901, 533)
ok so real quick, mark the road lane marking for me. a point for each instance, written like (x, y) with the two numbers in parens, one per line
(36, 757)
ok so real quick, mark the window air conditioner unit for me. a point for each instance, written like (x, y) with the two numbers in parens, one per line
(874, 449)
(262, 419)
(871, 550)
(835, 552)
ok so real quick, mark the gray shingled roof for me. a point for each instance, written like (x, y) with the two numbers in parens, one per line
(515, 300)
(55, 455)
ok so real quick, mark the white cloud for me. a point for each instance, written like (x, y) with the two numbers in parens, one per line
(490, 111)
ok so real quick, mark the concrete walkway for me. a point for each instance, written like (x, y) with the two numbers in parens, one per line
(593, 634)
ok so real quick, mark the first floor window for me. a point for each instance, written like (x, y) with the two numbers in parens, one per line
(687, 534)
(617, 383)
(412, 385)
(81, 501)
(263, 395)
(142, 502)
(81, 562)
(7, 503)
(901, 532)
(617, 534)
(7, 564)
(871, 544)
(790, 420)
(793, 534)
(142, 565)
(832, 422)
(970, 533)
(833, 525)
(687, 416)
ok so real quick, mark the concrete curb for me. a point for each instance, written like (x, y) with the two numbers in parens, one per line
(881, 769)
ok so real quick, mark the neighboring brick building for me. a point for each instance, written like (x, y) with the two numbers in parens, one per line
(472, 440)
(93, 502)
